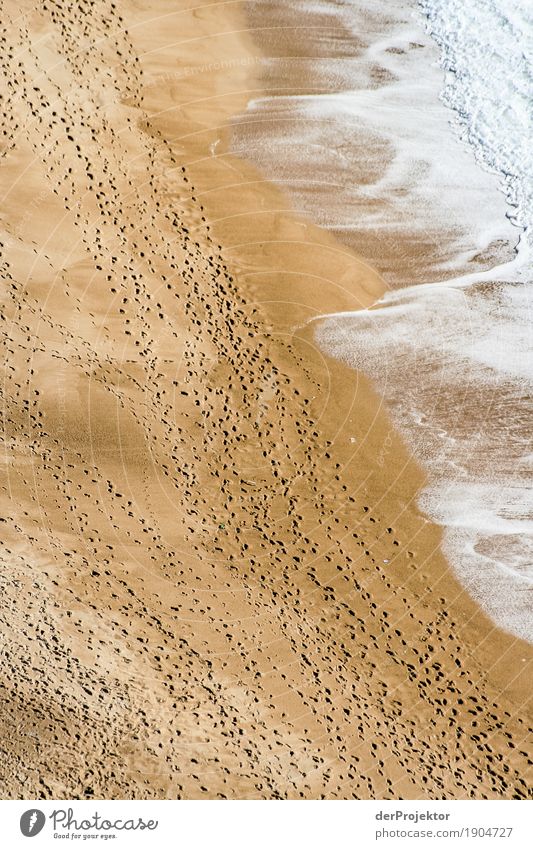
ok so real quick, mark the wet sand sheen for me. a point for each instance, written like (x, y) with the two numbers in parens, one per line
(219, 582)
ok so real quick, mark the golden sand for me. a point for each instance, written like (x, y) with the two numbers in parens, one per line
(216, 582)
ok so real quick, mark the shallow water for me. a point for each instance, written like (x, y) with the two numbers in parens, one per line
(401, 151)
(452, 363)
(351, 124)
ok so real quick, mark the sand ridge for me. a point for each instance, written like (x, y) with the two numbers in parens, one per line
(208, 592)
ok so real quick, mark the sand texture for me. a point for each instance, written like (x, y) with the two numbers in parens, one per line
(215, 581)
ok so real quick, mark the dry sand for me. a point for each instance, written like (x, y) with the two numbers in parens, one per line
(216, 583)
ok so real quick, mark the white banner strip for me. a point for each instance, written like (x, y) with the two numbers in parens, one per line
(246, 825)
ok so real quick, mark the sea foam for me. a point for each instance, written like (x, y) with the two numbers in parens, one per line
(364, 148)
(487, 56)
(453, 359)
(409, 139)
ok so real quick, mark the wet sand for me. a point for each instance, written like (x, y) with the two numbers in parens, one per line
(347, 119)
(216, 583)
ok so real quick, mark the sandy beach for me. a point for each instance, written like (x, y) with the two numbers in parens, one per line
(216, 581)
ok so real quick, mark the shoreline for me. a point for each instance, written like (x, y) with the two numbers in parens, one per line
(288, 313)
(264, 210)
(239, 601)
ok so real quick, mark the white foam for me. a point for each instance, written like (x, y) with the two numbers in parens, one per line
(452, 354)
(454, 360)
(486, 52)
(454, 364)
(379, 134)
